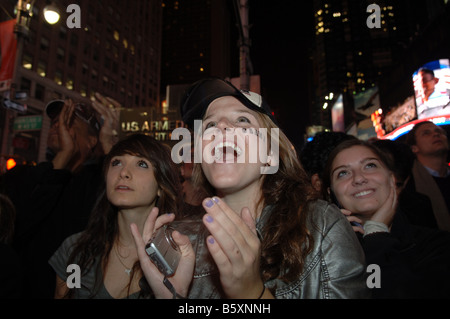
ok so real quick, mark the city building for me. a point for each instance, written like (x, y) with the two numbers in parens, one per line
(114, 50)
(352, 54)
(199, 40)
(196, 40)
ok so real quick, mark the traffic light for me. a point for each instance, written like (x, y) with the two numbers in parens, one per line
(10, 163)
(7, 162)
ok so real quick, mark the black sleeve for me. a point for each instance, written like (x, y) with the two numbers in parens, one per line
(34, 191)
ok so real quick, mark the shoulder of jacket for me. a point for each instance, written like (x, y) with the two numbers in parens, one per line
(323, 216)
(321, 210)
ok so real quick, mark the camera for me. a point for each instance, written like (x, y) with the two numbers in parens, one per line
(163, 251)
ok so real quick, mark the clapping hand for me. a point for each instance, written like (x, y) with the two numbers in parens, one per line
(235, 248)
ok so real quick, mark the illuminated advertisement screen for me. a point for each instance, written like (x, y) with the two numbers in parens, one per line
(337, 115)
(432, 89)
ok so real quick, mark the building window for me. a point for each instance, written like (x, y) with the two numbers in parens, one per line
(25, 84)
(44, 44)
(84, 69)
(74, 40)
(95, 56)
(62, 33)
(83, 91)
(58, 77)
(60, 54)
(107, 62)
(105, 82)
(69, 83)
(116, 35)
(72, 60)
(42, 68)
(27, 62)
(112, 85)
(39, 93)
(115, 51)
(87, 49)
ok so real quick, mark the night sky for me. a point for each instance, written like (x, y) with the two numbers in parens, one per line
(281, 33)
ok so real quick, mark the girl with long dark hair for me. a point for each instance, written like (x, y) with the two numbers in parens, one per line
(140, 178)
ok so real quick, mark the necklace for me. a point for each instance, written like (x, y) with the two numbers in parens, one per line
(127, 270)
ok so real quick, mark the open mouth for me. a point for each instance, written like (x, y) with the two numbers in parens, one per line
(227, 152)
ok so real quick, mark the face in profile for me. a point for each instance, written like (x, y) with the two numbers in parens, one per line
(360, 181)
(131, 183)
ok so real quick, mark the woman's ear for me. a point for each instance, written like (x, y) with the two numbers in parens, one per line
(316, 182)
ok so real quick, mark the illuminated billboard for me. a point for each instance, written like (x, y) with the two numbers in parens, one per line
(432, 89)
(337, 115)
(405, 128)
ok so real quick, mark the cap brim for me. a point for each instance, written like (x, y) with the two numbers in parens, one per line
(203, 92)
(53, 108)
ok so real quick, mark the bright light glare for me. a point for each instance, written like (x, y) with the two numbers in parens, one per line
(51, 15)
(10, 163)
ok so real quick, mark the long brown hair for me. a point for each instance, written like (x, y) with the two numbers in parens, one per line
(102, 229)
(287, 240)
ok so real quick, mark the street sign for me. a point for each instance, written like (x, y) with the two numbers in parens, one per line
(14, 105)
(28, 123)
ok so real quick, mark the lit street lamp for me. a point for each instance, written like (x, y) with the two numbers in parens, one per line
(51, 13)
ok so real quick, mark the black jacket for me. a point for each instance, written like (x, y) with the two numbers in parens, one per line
(51, 205)
(414, 260)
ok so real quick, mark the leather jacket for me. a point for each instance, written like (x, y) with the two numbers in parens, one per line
(335, 268)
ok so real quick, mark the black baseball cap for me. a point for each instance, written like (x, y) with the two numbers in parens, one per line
(200, 94)
(84, 112)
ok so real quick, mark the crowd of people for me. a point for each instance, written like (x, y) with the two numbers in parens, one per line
(280, 224)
